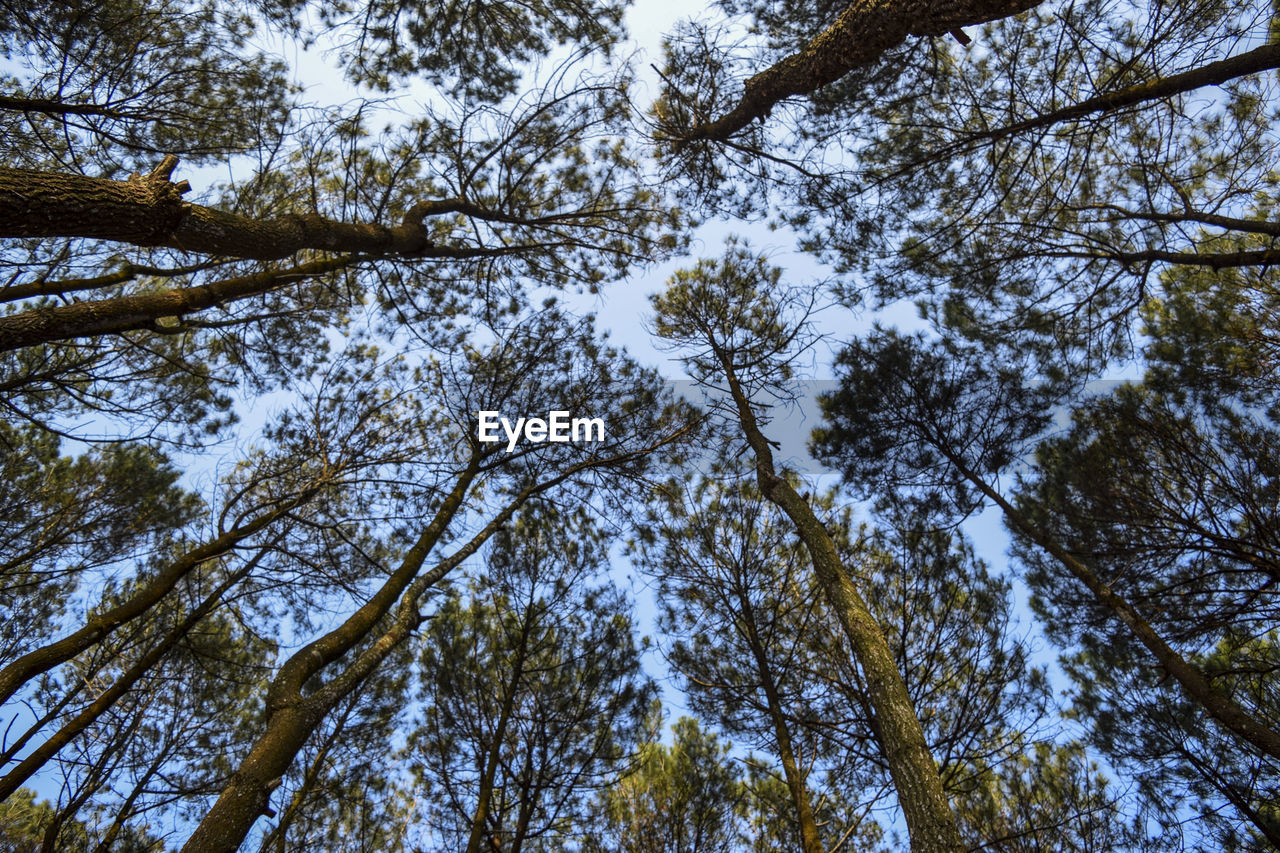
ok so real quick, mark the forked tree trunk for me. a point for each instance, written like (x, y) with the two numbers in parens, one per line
(293, 717)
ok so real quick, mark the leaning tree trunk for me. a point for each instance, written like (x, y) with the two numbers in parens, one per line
(930, 821)
(101, 625)
(1225, 710)
(292, 717)
(138, 311)
(105, 700)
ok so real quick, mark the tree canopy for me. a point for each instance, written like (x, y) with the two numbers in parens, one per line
(336, 512)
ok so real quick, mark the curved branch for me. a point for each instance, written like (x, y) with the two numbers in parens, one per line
(1229, 223)
(127, 272)
(1217, 260)
(142, 311)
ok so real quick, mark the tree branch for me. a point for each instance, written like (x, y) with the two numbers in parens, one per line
(859, 36)
(149, 211)
(1255, 61)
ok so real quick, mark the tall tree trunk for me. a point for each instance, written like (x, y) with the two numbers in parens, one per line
(493, 758)
(1217, 704)
(930, 821)
(810, 842)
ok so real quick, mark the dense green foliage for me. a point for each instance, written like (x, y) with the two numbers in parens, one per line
(264, 585)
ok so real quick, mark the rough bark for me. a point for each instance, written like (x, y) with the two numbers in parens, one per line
(930, 821)
(149, 211)
(859, 36)
(143, 311)
(1217, 704)
(279, 836)
(247, 795)
(288, 683)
